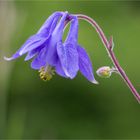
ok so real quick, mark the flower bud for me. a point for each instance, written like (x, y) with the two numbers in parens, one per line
(104, 72)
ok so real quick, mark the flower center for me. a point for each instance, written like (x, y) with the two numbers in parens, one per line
(46, 73)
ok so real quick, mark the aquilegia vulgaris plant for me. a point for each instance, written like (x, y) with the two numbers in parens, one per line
(50, 54)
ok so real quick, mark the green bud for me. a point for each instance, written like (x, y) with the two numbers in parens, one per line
(105, 71)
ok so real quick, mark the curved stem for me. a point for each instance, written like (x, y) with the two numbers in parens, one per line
(112, 56)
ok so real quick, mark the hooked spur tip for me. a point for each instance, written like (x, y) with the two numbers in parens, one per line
(8, 58)
(66, 12)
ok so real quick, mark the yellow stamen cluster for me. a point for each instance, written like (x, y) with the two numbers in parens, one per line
(46, 73)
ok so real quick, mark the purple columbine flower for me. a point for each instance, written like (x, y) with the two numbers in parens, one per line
(50, 54)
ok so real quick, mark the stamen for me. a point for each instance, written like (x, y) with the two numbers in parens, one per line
(46, 73)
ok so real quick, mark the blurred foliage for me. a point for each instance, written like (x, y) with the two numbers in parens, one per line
(75, 109)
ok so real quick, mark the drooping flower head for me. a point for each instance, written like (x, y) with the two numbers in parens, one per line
(50, 54)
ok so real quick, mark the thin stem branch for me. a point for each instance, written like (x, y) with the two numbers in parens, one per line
(111, 54)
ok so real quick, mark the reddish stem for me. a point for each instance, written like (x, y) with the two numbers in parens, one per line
(111, 54)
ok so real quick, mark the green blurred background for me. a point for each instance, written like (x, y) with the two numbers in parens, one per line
(63, 108)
